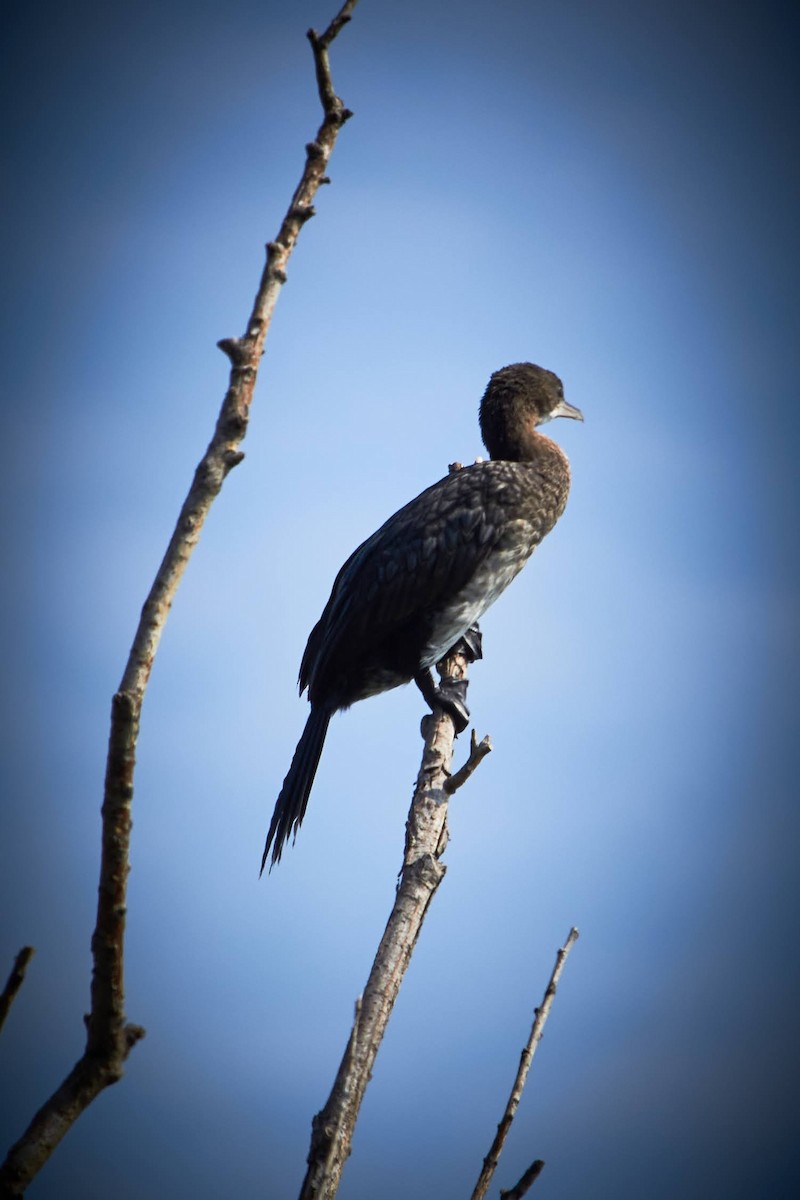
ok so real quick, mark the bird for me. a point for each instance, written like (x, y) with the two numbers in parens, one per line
(420, 583)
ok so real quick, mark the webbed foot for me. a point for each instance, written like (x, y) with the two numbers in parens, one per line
(451, 696)
(471, 644)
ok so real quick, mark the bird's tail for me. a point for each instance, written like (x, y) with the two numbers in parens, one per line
(290, 807)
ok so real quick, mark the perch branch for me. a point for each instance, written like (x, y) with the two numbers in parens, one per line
(14, 981)
(109, 1039)
(477, 753)
(526, 1058)
(421, 874)
(525, 1184)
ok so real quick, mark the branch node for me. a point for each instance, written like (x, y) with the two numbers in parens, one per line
(303, 212)
(122, 705)
(273, 271)
(335, 27)
(276, 247)
(314, 150)
(133, 1034)
(236, 349)
(427, 870)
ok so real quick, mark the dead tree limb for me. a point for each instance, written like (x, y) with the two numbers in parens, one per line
(421, 874)
(15, 981)
(540, 1016)
(525, 1184)
(477, 753)
(109, 1037)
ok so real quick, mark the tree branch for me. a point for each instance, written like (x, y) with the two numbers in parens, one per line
(15, 981)
(109, 1039)
(526, 1058)
(421, 874)
(477, 753)
(525, 1184)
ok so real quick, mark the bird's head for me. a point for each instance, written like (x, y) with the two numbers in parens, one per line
(519, 398)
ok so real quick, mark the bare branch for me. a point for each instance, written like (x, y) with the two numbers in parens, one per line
(477, 753)
(421, 874)
(109, 1038)
(320, 44)
(14, 981)
(525, 1184)
(526, 1058)
(335, 27)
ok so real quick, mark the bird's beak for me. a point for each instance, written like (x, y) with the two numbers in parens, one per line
(562, 409)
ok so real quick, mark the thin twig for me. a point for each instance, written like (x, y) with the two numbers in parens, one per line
(336, 26)
(477, 753)
(15, 981)
(109, 1038)
(526, 1058)
(525, 1184)
(421, 874)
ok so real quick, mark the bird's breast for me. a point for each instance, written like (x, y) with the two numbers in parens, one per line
(453, 618)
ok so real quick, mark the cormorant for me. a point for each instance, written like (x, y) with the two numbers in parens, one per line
(421, 582)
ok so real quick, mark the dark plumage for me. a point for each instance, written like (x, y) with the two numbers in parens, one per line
(419, 584)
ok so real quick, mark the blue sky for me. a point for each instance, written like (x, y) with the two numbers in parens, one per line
(608, 189)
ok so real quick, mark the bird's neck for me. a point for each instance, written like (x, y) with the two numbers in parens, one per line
(530, 447)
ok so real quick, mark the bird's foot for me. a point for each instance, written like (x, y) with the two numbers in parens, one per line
(471, 644)
(451, 695)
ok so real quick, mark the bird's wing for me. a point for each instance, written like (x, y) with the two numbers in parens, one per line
(428, 550)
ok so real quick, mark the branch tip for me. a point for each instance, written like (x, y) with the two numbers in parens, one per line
(526, 1058)
(15, 981)
(524, 1185)
(477, 753)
